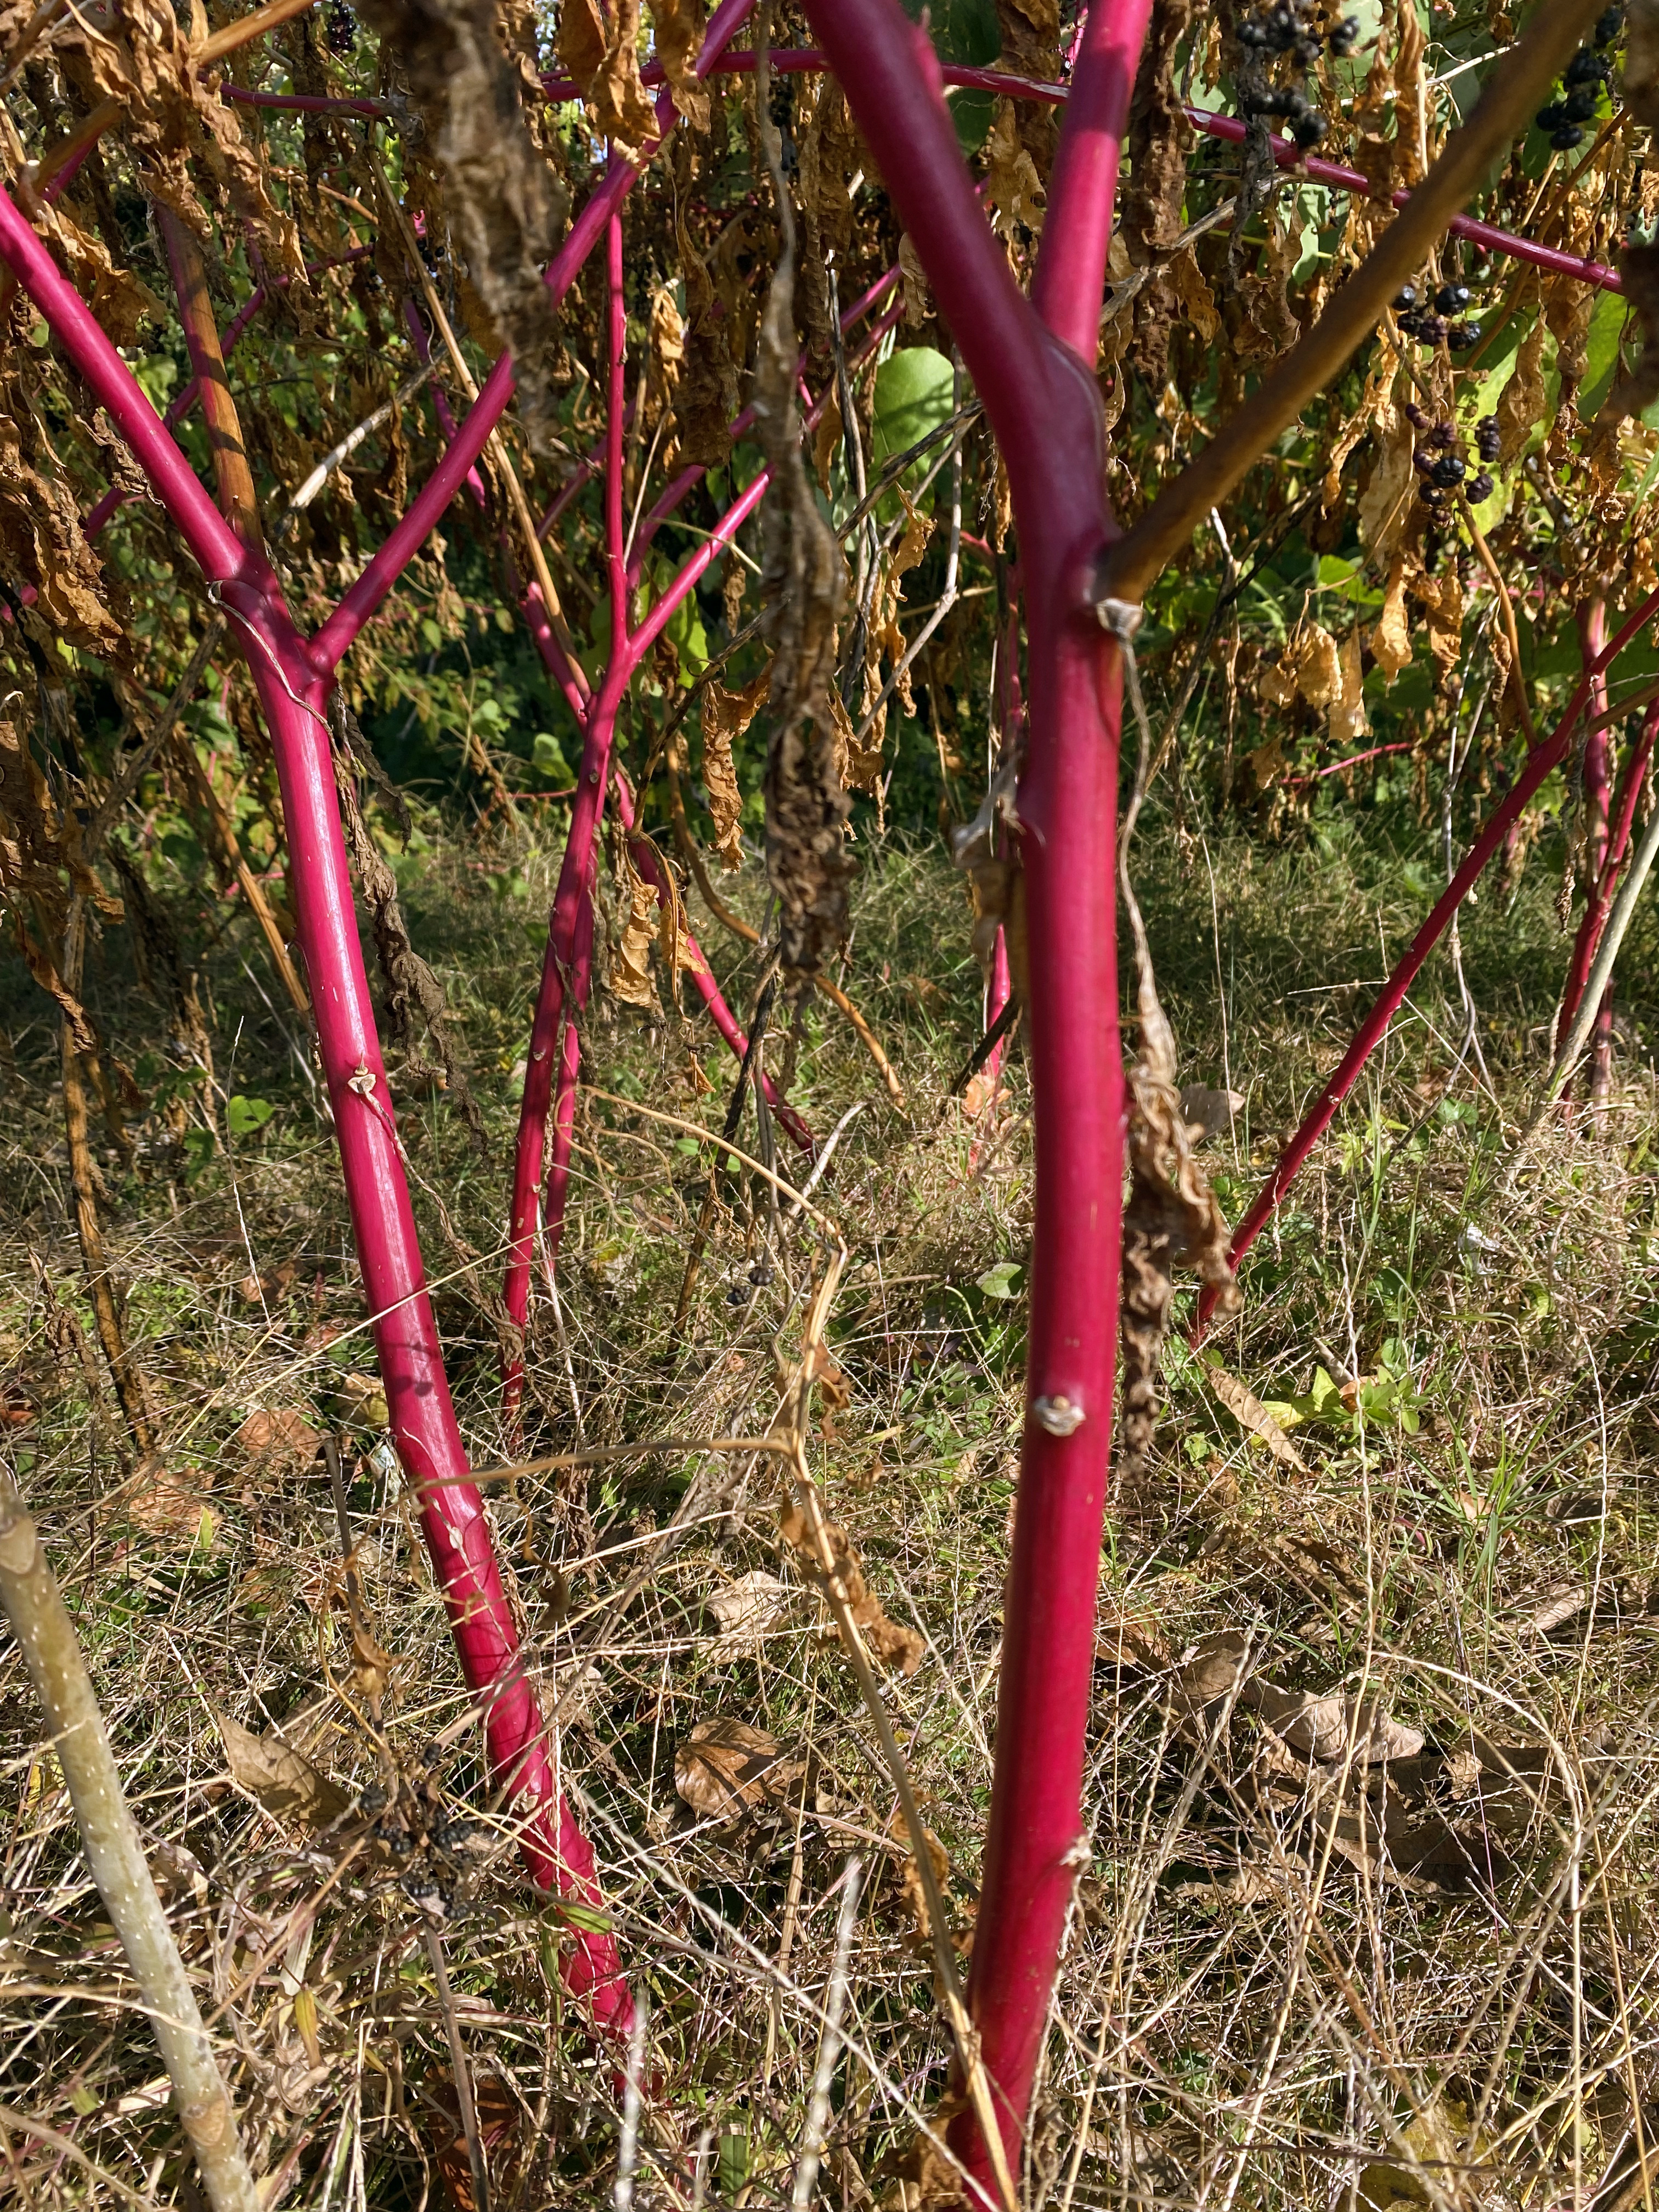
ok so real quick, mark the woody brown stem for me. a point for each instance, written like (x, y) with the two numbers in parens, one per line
(1512, 95)
(115, 1855)
(238, 500)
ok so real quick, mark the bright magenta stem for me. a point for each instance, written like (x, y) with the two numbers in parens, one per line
(1070, 274)
(294, 695)
(1543, 758)
(1045, 411)
(1483, 235)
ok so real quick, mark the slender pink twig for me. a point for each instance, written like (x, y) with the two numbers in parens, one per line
(1544, 757)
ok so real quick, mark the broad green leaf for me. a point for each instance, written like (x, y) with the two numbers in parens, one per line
(548, 756)
(913, 389)
(998, 1282)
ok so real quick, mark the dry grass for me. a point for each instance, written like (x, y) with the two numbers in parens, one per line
(1261, 2004)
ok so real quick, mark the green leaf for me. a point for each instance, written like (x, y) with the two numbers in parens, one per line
(431, 635)
(966, 32)
(244, 1116)
(998, 1282)
(1602, 352)
(734, 2161)
(549, 758)
(199, 1151)
(914, 388)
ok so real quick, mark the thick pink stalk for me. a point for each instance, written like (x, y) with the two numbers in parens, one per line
(1543, 758)
(1044, 408)
(1070, 274)
(294, 695)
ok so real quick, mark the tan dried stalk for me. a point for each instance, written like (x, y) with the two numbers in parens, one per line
(115, 1855)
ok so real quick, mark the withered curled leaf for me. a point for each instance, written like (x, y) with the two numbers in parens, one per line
(506, 206)
(802, 581)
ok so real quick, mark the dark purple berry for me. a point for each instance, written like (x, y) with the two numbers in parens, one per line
(1582, 102)
(1448, 470)
(1309, 130)
(1586, 68)
(1553, 116)
(1405, 298)
(1608, 25)
(1479, 487)
(1344, 39)
(1452, 299)
(1487, 441)
(1569, 136)
(342, 28)
(1463, 335)
(1414, 414)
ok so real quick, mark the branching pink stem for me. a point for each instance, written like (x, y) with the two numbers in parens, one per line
(1543, 758)
(293, 693)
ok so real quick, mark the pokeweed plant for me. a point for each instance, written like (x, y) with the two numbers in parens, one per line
(1006, 253)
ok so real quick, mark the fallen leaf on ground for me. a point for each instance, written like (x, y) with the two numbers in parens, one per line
(745, 1610)
(725, 1766)
(282, 1779)
(1209, 1110)
(1324, 1728)
(1247, 1410)
(170, 1507)
(278, 1439)
(500, 2131)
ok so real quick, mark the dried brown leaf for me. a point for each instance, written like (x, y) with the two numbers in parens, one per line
(679, 27)
(505, 207)
(277, 1439)
(725, 1767)
(281, 1779)
(1521, 403)
(1159, 135)
(1247, 1410)
(746, 1610)
(885, 1638)
(725, 716)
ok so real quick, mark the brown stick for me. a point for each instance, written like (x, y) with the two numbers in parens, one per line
(238, 499)
(1512, 93)
(115, 1856)
(245, 29)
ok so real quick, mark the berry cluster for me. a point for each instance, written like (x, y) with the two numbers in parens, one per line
(1298, 28)
(1584, 77)
(1446, 317)
(342, 28)
(426, 1841)
(1443, 468)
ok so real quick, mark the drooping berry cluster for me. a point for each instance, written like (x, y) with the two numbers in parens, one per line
(1584, 77)
(1445, 318)
(342, 28)
(1442, 466)
(1299, 29)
